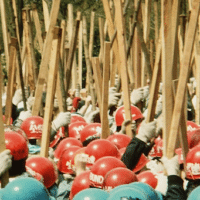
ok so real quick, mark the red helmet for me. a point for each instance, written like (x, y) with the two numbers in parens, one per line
(65, 162)
(120, 114)
(59, 135)
(75, 129)
(120, 140)
(90, 132)
(148, 177)
(193, 137)
(76, 118)
(100, 148)
(141, 163)
(101, 167)
(17, 145)
(44, 167)
(8, 128)
(32, 126)
(191, 126)
(118, 176)
(80, 183)
(64, 144)
(193, 163)
(157, 150)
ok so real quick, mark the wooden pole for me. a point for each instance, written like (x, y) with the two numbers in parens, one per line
(70, 27)
(156, 21)
(11, 76)
(80, 54)
(123, 63)
(72, 51)
(37, 26)
(105, 88)
(101, 35)
(88, 63)
(5, 176)
(156, 78)
(167, 109)
(45, 58)
(146, 32)
(30, 50)
(54, 62)
(5, 32)
(46, 15)
(190, 35)
(98, 80)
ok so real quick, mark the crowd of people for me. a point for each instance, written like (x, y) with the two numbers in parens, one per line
(84, 166)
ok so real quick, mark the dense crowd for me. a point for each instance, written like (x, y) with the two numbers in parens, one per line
(84, 166)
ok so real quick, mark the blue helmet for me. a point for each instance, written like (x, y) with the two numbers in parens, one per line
(147, 189)
(194, 195)
(25, 188)
(91, 194)
(127, 193)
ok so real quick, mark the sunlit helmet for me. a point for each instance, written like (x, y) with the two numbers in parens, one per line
(17, 145)
(148, 177)
(120, 114)
(45, 167)
(8, 128)
(75, 129)
(90, 132)
(100, 148)
(118, 176)
(65, 162)
(32, 126)
(101, 167)
(80, 183)
(120, 140)
(64, 144)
